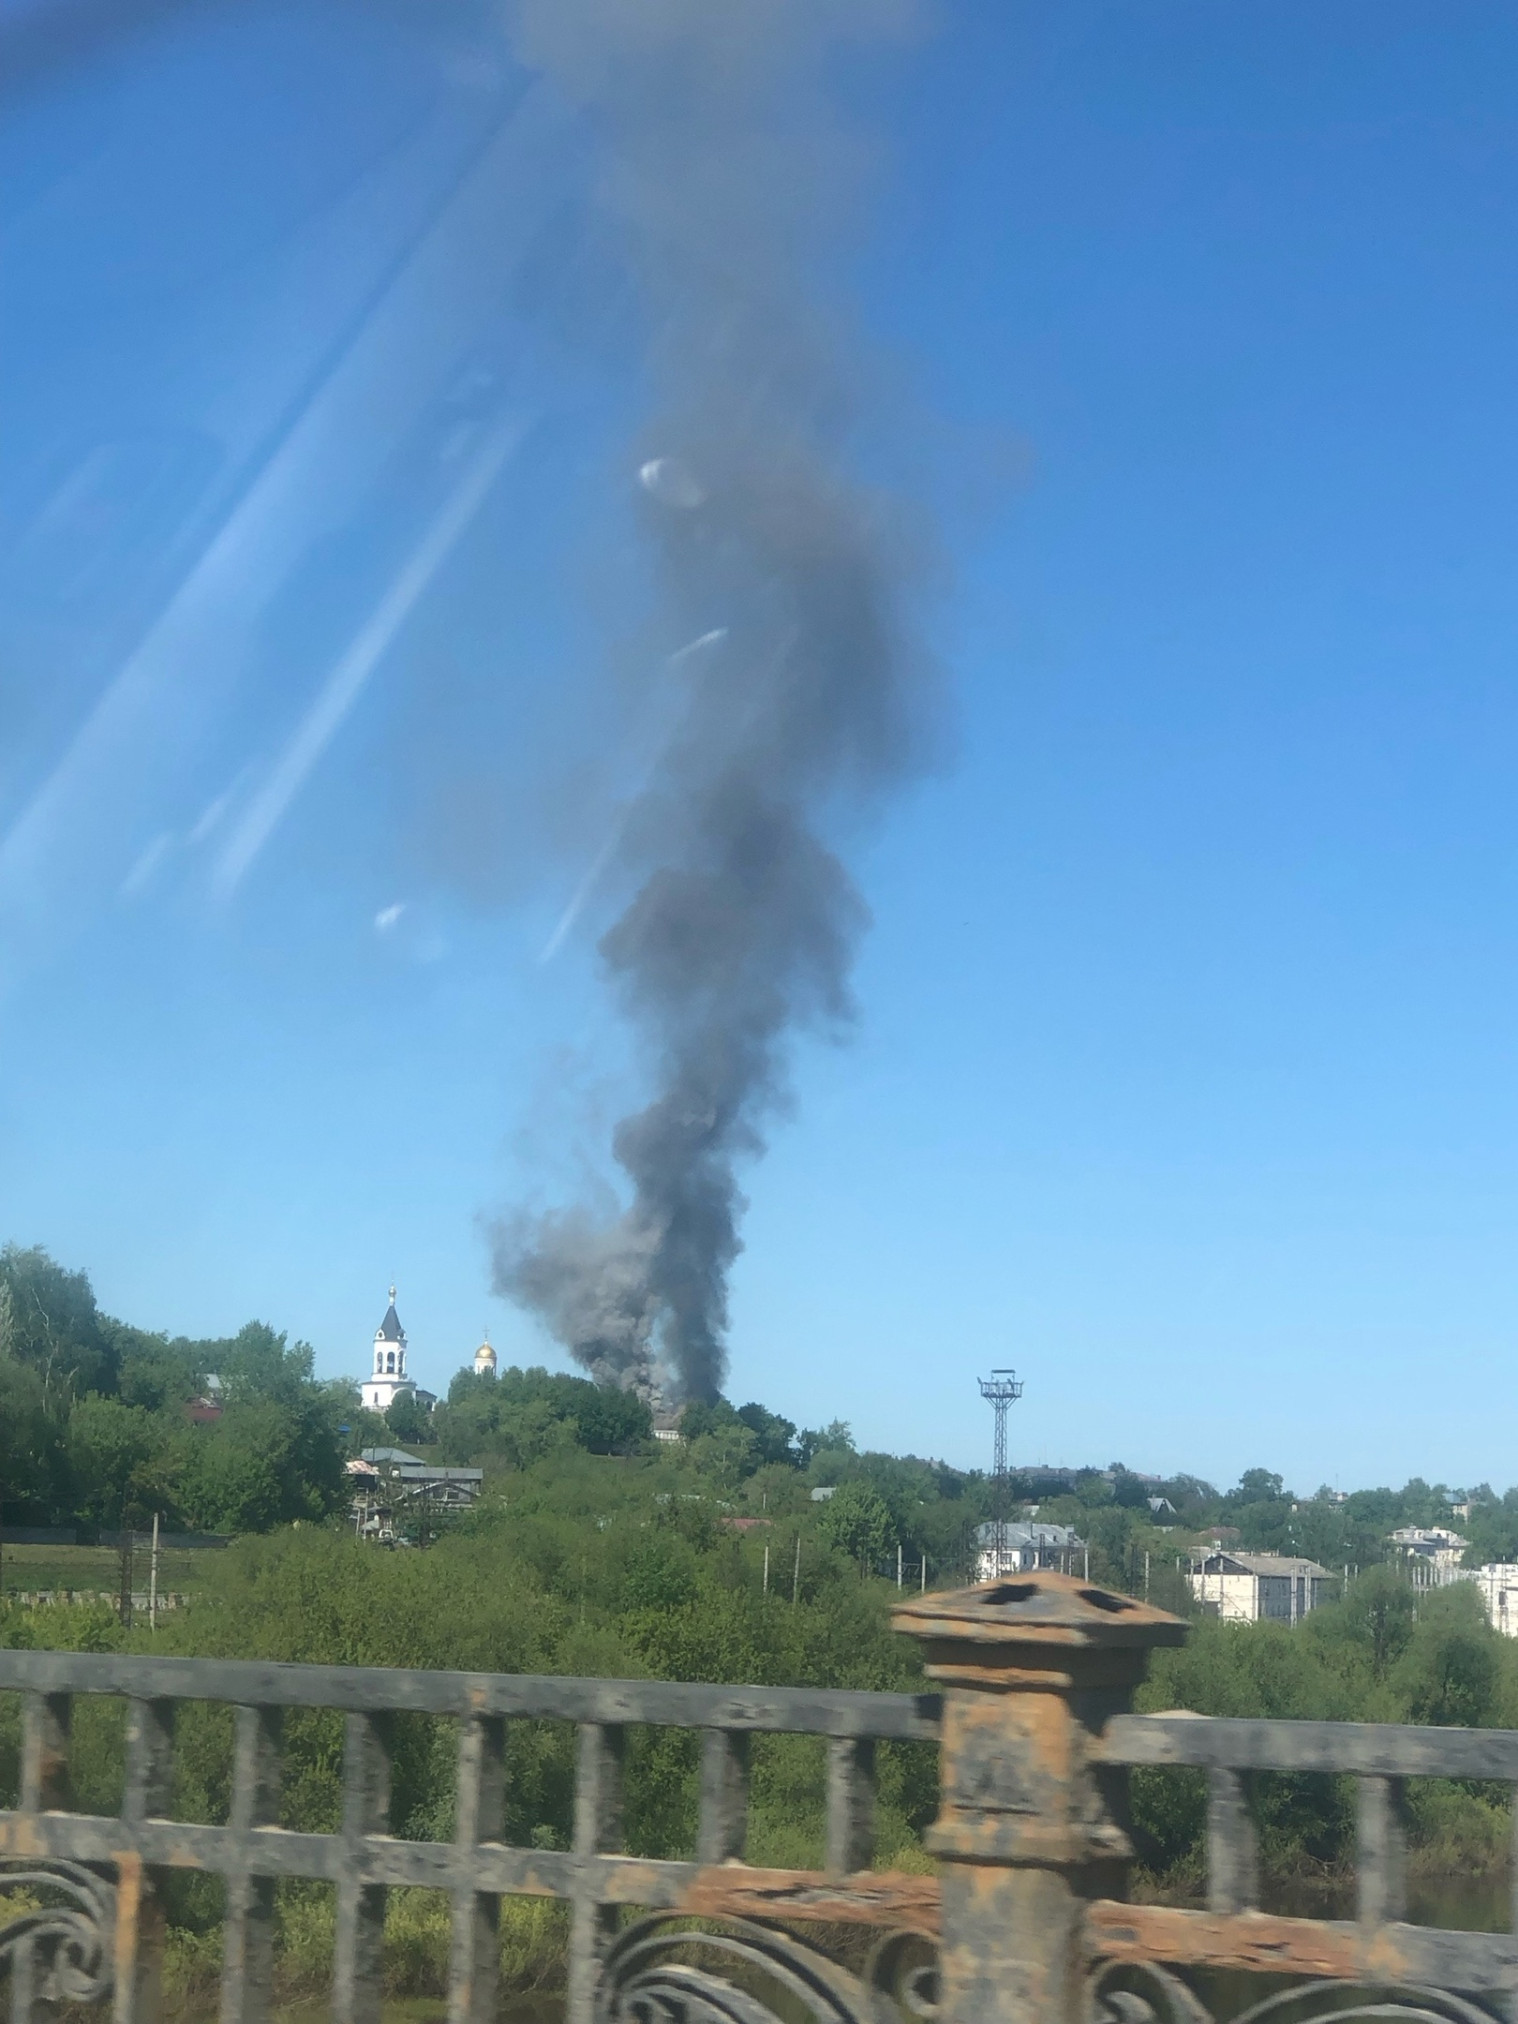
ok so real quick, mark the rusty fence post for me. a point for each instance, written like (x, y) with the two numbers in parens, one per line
(1030, 1827)
(139, 1905)
(247, 1960)
(599, 1759)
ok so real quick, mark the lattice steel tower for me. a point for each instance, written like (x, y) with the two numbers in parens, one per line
(1002, 1388)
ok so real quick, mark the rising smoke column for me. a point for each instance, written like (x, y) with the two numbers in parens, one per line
(812, 699)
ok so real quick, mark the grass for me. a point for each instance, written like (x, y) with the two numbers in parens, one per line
(534, 1937)
(97, 1569)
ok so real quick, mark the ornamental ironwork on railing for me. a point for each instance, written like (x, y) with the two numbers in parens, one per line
(1027, 1918)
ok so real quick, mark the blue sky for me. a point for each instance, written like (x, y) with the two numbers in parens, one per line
(1184, 1078)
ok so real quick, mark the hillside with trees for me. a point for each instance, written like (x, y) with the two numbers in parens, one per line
(595, 1549)
(98, 1428)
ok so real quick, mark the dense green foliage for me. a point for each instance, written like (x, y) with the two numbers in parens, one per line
(93, 1425)
(580, 1564)
(595, 1550)
(522, 1415)
(750, 1551)
(1387, 1653)
(635, 1567)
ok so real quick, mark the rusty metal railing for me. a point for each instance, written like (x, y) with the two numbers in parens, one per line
(1028, 1918)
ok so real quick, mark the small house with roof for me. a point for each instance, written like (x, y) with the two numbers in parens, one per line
(389, 1380)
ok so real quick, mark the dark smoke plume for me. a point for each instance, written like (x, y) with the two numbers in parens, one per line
(807, 696)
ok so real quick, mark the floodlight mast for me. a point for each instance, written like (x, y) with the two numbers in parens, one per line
(1002, 1388)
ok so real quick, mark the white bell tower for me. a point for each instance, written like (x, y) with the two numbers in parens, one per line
(389, 1377)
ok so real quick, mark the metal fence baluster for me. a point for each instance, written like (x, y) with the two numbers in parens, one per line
(46, 1720)
(247, 1971)
(45, 1723)
(24, 1994)
(851, 1804)
(139, 1919)
(1233, 1878)
(359, 1981)
(724, 1795)
(1381, 1852)
(600, 1752)
(474, 1968)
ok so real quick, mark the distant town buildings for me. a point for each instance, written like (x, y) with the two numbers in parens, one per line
(1258, 1587)
(207, 1409)
(396, 1493)
(1432, 1554)
(1497, 1585)
(389, 1381)
(666, 1421)
(1027, 1545)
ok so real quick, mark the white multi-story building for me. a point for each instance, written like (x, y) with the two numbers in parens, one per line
(1432, 1553)
(389, 1380)
(1258, 1587)
(1026, 1546)
(1497, 1585)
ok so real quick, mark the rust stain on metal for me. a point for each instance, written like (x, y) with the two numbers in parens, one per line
(870, 1897)
(1005, 1680)
(129, 1883)
(1256, 1942)
(19, 1836)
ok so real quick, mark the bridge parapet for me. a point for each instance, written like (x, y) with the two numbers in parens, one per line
(1028, 1919)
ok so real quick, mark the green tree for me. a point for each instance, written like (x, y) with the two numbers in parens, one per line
(408, 1420)
(1256, 1486)
(1449, 1672)
(728, 1453)
(53, 1325)
(1379, 1612)
(116, 1453)
(523, 1414)
(33, 1463)
(857, 1518)
(261, 1363)
(774, 1437)
(836, 1438)
(152, 1371)
(263, 1463)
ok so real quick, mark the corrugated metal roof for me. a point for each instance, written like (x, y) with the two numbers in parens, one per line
(1021, 1533)
(1264, 1563)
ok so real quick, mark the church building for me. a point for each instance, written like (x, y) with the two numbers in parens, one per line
(390, 1381)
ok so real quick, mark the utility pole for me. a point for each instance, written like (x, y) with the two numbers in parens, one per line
(124, 1598)
(796, 1575)
(766, 1570)
(153, 1580)
(1001, 1388)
